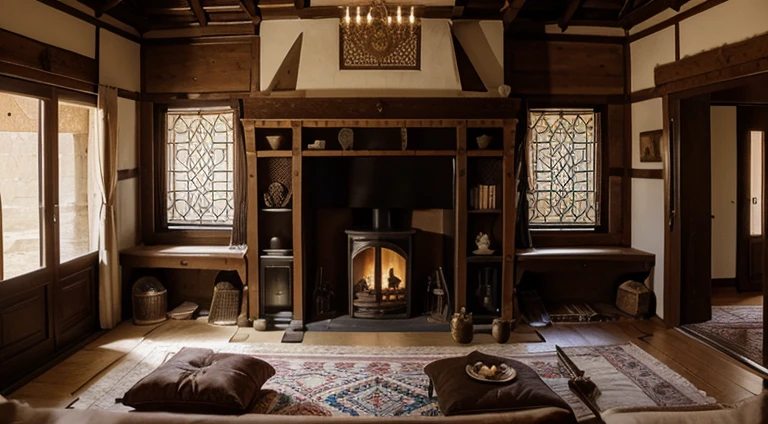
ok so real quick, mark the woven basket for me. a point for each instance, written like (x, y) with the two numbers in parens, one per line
(150, 301)
(225, 306)
(634, 298)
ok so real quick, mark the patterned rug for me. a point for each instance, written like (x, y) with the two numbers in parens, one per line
(737, 329)
(389, 381)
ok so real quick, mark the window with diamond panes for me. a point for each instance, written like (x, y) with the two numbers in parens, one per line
(200, 167)
(563, 169)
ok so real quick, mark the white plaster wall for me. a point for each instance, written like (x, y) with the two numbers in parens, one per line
(724, 180)
(37, 21)
(127, 139)
(319, 65)
(729, 22)
(119, 61)
(649, 52)
(646, 116)
(648, 230)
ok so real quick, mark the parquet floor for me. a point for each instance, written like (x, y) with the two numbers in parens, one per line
(717, 374)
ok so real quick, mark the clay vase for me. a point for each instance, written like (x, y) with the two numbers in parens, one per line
(275, 141)
(501, 330)
(260, 324)
(461, 326)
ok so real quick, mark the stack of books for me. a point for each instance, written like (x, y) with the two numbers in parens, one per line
(483, 197)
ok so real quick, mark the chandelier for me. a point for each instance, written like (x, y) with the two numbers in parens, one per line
(378, 33)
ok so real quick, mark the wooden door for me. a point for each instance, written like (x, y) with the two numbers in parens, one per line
(694, 209)
(752, 129)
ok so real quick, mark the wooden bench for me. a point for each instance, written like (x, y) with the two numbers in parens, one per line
(590, 274)
(219, 258)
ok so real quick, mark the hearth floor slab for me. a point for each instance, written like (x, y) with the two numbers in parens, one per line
(346, 323)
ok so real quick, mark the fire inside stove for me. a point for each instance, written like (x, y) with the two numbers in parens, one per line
(380, 286)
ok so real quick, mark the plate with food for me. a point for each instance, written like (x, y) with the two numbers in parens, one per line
(493, 373)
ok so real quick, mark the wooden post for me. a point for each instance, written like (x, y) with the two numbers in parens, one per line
(509, 190)
(460, 274)
(252, 220)
(298, 251)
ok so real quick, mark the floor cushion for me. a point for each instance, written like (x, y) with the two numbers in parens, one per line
(202, 382)
(457, 393)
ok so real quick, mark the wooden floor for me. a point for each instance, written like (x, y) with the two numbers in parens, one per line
(720, 376)
(729, 296)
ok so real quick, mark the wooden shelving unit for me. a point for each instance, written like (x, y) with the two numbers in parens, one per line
(436, 138)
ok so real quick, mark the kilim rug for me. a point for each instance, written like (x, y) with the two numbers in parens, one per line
(736, 329)
(390, 381)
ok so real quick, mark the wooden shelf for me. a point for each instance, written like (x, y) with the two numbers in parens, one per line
(274, 153)
(484, 258)
(277, 210)
(358, 153)
(485, 211)
(186, 257)
(485, 153)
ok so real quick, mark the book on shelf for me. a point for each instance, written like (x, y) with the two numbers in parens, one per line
(483, 197)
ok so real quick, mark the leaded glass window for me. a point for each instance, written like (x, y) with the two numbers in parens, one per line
(563, 172)
(200, 167)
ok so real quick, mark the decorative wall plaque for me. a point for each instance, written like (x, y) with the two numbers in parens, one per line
(380, 46)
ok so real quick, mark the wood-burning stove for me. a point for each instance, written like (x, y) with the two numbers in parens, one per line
(380, 270)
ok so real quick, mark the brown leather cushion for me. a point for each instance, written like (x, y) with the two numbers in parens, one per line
(457, 393)
(202, 382)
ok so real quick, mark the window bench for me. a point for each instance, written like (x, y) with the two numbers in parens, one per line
(219, 258)
(583, 274)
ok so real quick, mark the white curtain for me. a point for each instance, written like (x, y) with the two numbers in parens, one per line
(104, 177)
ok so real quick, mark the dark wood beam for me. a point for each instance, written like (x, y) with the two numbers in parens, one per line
(105, 6)
(249, 7)
(199, 12)
(625, 9)
(458, 8)
(570, 10)
(510, 10)
(649, 10)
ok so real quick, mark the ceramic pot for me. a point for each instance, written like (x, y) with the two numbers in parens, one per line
(461, 326)
(275, 141)
(260, 324)
(484, 141)
(501, 330)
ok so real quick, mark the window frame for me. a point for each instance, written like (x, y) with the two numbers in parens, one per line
(560, 234)
(161, 232)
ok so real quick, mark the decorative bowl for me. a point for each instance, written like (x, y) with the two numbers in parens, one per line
(504, 373)
(484, 141)
(275, 141)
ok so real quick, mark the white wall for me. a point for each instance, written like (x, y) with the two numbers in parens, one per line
(648, 198)
(729, 22)
(649, 52)
(724, 180)
(40, 22)
(319, 65)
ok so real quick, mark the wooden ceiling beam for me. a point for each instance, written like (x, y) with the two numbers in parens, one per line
(649, 10)
(199, 12)
(249, 7)
(510, 11)
(105, 6)
(570, 10)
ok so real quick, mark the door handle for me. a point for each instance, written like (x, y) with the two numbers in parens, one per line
(754, 200)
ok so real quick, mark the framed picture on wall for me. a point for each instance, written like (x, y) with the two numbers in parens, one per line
(650, 146)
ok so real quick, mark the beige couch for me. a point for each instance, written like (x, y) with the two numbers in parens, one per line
(751, 411)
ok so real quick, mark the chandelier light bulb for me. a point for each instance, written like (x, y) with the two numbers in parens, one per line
(357, 19)
(389, 20)
(412, 18)
(369, 18)
(347, 19)
(399, 15)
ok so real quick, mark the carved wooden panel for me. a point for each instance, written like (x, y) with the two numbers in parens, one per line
(198, 68)
(23, 321)
(76, 299)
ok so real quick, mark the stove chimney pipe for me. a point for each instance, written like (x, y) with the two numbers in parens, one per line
(382, 219)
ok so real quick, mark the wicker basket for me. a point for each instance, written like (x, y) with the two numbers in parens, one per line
(225, 306)
(150, 301)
